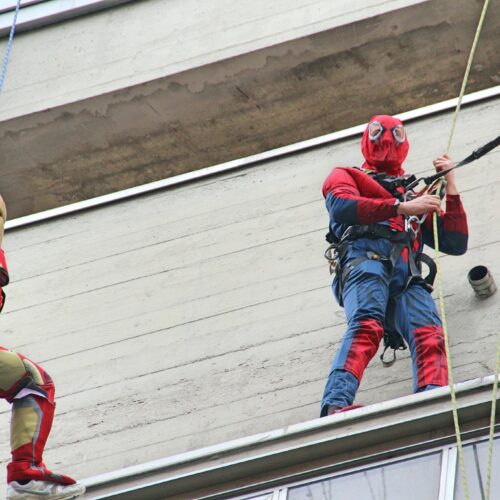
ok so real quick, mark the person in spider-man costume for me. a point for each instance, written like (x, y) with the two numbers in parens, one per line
(354, 199)
(30, 390)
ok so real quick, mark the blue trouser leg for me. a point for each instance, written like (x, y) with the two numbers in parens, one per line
(366, 293)
(340, 390)
(416, 318)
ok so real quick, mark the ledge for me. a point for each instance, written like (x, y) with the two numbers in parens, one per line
(59, 149)
(394, 427)
(241, 163)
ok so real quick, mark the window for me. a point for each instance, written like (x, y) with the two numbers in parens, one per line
(431, 475)
(476, 460)
(391, 482)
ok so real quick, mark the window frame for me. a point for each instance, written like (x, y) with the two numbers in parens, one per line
(447, 482)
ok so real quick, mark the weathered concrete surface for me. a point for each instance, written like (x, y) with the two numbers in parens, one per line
(319, 447)
(203, 313)
(146, 40)
(243, 105)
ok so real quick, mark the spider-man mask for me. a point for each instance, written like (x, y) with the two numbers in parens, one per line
(385, 145)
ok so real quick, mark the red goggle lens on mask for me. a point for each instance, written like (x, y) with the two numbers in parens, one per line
(376, 129)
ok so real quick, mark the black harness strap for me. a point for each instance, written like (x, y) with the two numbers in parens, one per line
(431, 265)
(475, 155)
(400, 240)
(392, 339)
(396, 186)
(375, 231)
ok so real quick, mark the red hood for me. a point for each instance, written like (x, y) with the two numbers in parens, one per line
(385, 154)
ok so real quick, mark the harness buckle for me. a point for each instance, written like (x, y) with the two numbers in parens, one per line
(332, 256)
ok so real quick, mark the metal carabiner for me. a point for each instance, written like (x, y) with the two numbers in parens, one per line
(412, 224)
(332, 256)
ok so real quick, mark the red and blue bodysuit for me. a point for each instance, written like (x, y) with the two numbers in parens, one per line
(353, 198)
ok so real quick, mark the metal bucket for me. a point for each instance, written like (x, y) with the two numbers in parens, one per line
(482, 282)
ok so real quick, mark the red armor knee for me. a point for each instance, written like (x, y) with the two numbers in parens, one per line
(31, 423)
(31, 391)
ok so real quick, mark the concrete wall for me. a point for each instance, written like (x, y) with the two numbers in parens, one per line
(150, 39)
(69, 138)
(203, 313)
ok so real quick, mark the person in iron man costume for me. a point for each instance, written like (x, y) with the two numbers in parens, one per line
(30, 390)
(353, 198)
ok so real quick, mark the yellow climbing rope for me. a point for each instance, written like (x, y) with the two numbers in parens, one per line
(448, 361)
(441, 294)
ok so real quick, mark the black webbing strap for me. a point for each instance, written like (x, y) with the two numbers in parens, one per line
(375, 231)
(429, 262)
(475, 155)
(401, 240)
(352, 264)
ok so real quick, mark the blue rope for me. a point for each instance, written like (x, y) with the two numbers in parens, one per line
(9, 46)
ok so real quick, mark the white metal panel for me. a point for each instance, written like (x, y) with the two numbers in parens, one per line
(10, 5)
(39, 13)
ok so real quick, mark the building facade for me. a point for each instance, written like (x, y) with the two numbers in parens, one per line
(167, 260)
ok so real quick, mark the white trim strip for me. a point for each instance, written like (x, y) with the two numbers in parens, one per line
(451, 472)
(282, 494)
(242, 162)
(445, 460)
(10, 5)
(35, 13)
(445, 454)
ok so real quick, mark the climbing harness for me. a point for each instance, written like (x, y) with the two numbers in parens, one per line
(401, 240)
(9, 46)
(393, 184)
(435, 184)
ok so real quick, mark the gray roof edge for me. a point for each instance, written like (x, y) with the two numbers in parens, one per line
(377, 423)
(241, 163)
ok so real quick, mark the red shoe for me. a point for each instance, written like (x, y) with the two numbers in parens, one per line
(332, 410)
